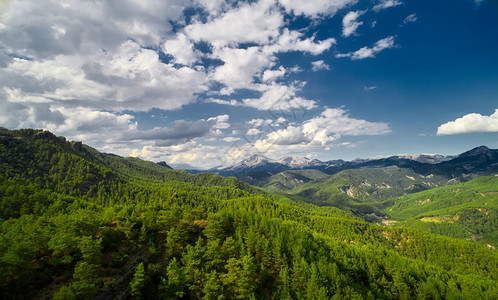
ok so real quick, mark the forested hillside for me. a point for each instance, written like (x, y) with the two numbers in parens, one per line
(468, 210)
(79, 224)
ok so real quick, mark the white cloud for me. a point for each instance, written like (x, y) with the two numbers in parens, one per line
(130, 77)
(253, 131)
(319, 65)
(369, 88)
(43, 29)
(271, 75)
(367, 52)
(214, 6)
(80, 123)
(410, 19)
(221, 121)
(259, 122)
(383, 4)
(289, 136)
(231, 139)
(337, 121)
(182, 50)
(350, 23)
(320, 132)
(256, 22)
(223, 102)
(192, 153)
(290, 40)
(279, 97)
(315, 8)
(470, 123)
(274, 97)
(240, 66)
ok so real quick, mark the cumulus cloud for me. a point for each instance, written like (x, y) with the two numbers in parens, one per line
(291, 40)
(256, 22)
(320, 131)
(221, 121)
(470, 123)
(350, 23)
(240, 66)
(131, 77)
(182, 50)
(291, 135)
(319, 65)
(213, 6)
(383, 4)
(279, 97)
(191, 153)
(253, 131)
(271, 75)
(274, 97)
(338, 121)
(369, 52)
(315, 8)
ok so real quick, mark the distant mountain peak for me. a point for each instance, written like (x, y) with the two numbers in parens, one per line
(293, 161)
(478, 151)
(254, 160)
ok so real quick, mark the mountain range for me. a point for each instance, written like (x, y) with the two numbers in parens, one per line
(257, 169)
(260, 163)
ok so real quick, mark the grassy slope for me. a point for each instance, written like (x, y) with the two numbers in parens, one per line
(467, 210)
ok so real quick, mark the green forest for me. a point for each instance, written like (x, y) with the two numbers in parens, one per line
(79, 224)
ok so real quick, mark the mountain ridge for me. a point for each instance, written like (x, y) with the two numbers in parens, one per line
(421, 162)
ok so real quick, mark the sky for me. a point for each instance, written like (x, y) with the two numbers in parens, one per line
(206, 83)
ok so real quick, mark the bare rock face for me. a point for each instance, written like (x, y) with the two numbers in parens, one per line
(78, 146)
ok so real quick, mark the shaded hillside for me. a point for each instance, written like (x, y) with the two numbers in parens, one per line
(283, 181)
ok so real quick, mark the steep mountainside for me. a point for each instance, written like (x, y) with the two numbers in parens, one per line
(79, 224)
(370, 184)
(468, 210)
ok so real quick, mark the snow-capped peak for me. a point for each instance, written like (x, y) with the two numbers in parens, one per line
(255, 160)
(293, 161)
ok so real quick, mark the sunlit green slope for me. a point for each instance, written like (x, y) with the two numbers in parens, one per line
(468, 210)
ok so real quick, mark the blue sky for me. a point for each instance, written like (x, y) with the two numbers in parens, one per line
(210, 82)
